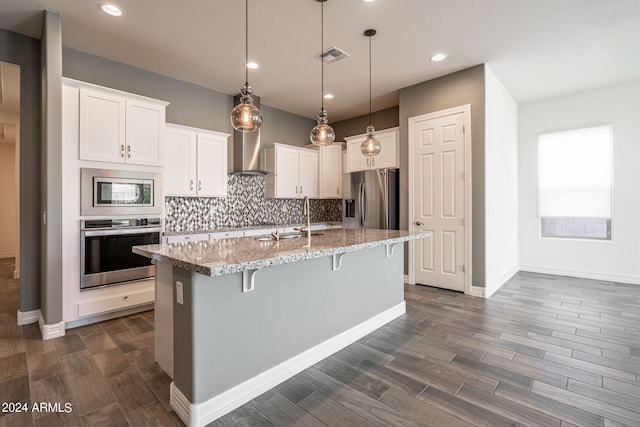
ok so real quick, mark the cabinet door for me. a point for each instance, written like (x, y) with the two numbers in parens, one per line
(212, 165)
(355, 160)
(308, 173)
(102, 126)
(144, 132)
(286, 162)
(180, 172)
(330, 175)
(388, 157)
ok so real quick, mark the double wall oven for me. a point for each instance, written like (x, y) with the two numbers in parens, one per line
(119, 208)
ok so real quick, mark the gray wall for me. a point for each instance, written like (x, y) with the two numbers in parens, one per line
(191, 105)
(25, 52)
(383, 119)
(51, 168)
(463, 87)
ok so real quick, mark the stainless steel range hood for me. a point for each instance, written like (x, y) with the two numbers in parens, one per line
(246, 148)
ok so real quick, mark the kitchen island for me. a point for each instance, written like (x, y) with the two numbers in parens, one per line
(235, 317)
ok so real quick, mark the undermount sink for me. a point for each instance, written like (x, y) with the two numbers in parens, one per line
(285, 236)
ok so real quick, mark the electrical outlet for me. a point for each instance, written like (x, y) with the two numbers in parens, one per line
(179, 293)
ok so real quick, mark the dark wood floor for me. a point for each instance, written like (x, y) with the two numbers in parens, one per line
(543, 351)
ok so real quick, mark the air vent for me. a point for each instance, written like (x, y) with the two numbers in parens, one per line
(332, 54)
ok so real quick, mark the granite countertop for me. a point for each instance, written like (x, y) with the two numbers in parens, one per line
(220, 257)
(268, 227)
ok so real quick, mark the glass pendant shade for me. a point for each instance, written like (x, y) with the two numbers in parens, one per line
(246, 117)
(370, 146)
(322, 134)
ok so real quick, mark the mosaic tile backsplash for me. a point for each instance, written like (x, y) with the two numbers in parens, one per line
(245, 205)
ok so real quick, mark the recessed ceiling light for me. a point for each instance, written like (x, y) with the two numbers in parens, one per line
(367, 1)
(111, 9)
(328, 96)
(438, 57)
(252, 65)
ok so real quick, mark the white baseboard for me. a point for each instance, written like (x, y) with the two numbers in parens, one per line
(492, 288)
(50, 331)
(595, 275)
(476, 291)
(200, 414)
(28, 317)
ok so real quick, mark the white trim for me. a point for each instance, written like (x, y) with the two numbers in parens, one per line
(200, 414)
(492, 288)
(27, 317)
(407, 280)
(594, 275)
(466, 110)
(50, 331)
(476, 291)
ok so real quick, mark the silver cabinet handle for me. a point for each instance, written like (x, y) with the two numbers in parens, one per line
(191, 184)
(199, 185)
(418, 223)
(373, 161)
(301, 190)
(122, 150)
(368, 161)
(128, 151)
(337, 190)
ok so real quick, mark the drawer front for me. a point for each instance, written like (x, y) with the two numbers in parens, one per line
(119, 302)
(186, 238)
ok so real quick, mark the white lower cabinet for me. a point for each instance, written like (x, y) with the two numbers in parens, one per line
(184, 238)
(295, 169)
(196, 162)
(389, 157)
(114, 298)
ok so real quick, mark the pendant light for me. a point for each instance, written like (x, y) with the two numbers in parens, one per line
(246, 117)
(370, 146)
(322, 133)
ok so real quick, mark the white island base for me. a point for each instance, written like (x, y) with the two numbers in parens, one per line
(230, 346)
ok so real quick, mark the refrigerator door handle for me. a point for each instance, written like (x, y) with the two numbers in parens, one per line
(363, 204)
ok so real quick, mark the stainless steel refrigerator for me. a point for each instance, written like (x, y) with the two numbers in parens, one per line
(370, 199)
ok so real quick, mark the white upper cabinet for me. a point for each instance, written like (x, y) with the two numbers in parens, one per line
(180, 172)
(196, 162)
(330, 172)
(212, 164)
(295, 169)
(388, 158)
(121, 128)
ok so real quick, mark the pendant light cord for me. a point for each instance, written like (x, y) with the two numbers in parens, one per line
(370, 123)
(321, 51)
(246, 41)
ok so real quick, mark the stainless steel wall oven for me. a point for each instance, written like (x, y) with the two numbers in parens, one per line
(105, 250)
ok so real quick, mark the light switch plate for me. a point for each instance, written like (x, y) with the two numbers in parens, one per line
(179, 293)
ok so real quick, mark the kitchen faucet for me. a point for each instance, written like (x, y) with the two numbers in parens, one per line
(276, 234)
(305, 211)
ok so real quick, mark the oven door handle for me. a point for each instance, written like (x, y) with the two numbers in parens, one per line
(120, 231)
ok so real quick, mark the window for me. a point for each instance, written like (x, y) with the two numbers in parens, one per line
(574, 183)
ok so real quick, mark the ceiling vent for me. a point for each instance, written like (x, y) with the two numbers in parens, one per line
(332, 54)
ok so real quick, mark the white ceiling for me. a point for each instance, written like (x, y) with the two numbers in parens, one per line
(537, 48)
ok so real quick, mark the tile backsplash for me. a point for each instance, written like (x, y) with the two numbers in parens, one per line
(245, 205)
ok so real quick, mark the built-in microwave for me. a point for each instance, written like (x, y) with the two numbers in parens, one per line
(112, 192)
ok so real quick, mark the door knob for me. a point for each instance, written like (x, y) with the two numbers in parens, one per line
(418, 223)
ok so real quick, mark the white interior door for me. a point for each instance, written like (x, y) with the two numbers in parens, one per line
(438, 199)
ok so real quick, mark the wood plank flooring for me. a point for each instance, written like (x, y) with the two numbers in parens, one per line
(543, 351)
